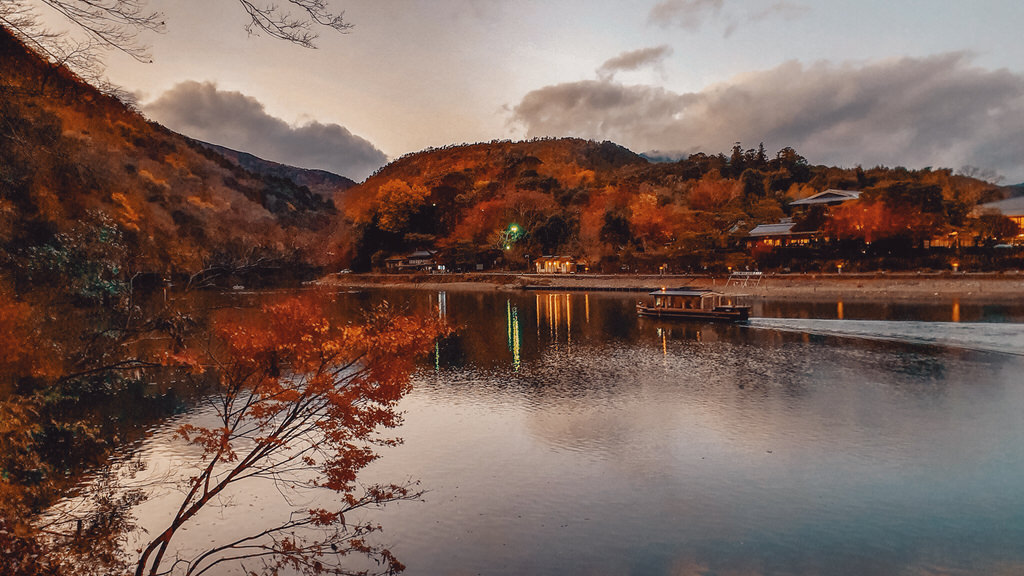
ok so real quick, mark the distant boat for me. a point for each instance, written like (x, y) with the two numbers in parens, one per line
(688, 303)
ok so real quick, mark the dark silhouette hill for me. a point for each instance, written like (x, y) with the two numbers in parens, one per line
(321, 182)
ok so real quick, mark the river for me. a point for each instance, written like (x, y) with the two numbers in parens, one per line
(560, 434)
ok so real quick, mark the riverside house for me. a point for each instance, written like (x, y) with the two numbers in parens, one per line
(787, 232)
(419, 261)
(1012, 208)
(559, 265)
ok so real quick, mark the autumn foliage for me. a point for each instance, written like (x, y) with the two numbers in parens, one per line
(69, 153)
(603, 204)
(299, 401)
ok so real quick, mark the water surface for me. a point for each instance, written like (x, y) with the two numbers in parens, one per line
(560, 434)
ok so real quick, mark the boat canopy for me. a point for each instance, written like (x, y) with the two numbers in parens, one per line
(685, 291)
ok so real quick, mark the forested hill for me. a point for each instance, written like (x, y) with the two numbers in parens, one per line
(83, 176)
(500, 202)
(322, 182)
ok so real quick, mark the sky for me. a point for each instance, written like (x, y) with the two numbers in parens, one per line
(847, 83)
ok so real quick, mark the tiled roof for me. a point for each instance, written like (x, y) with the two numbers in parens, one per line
(778, 229)
(830, 196)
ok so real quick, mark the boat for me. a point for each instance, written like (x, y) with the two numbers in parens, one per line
(688, 303)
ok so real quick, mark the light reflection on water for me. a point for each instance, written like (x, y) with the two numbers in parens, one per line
(560, 434)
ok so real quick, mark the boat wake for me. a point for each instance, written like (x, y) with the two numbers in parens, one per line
(1006, 338)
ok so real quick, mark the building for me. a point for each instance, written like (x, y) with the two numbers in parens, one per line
(419, 261)
(830, 197)
(1012, 208)
(782, 233)
(779, 234)
(559, 265)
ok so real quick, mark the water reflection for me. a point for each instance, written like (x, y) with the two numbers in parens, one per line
(589, 441)
(952, 310)
(515, 337)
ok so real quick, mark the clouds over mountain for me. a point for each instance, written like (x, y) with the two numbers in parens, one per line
(934, 111)
(232, 119)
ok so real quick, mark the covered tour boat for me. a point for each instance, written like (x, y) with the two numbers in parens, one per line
(688, 303)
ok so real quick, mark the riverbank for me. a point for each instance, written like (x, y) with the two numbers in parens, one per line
(866, 287)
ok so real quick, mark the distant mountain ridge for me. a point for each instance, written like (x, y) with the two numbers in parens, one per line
(321, 182)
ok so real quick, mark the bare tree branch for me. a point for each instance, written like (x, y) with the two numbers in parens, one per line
(278, 23)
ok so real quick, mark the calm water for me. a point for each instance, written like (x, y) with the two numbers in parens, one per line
(560, 434)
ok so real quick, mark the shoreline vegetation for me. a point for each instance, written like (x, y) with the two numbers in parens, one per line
(875, 287)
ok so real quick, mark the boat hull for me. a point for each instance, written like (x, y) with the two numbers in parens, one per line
(718, 314)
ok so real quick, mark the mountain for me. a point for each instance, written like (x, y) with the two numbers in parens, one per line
(504, 203)
(461, 199)
(79, 166)
(326, 184)
(469, 172)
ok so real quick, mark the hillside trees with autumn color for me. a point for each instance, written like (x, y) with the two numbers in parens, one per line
(615, 210)
(70, 154)
(98, 207)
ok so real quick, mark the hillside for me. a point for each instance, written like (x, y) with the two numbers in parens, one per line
(501, 203)
(325, 184)
(78, 168)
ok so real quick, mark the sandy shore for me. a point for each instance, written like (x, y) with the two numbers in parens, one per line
(1007, 287)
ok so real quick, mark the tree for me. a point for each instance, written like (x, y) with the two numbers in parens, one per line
(396, 204)
(650, 223)
(615, 230)
(298, 401)
(994, 227)
(116, 25)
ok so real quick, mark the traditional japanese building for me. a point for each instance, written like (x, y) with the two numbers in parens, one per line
(1012, 208)
(559, 265)
(786, 233)
(419, 261)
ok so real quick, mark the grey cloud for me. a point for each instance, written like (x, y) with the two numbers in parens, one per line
(693, 14)
(634, 60)
(781, 9)
(934, 111)
(688, 14)
(232, 119)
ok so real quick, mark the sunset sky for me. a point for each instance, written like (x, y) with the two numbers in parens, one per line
(869, 82)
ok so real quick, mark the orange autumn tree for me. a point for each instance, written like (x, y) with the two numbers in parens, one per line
(652, 225)
(299, 399)
(397, 202)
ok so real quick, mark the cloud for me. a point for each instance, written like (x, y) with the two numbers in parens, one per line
(232, 119)
(934, 111)
(783, 9)
(634, 60)
(688, 14)
(693, 14)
